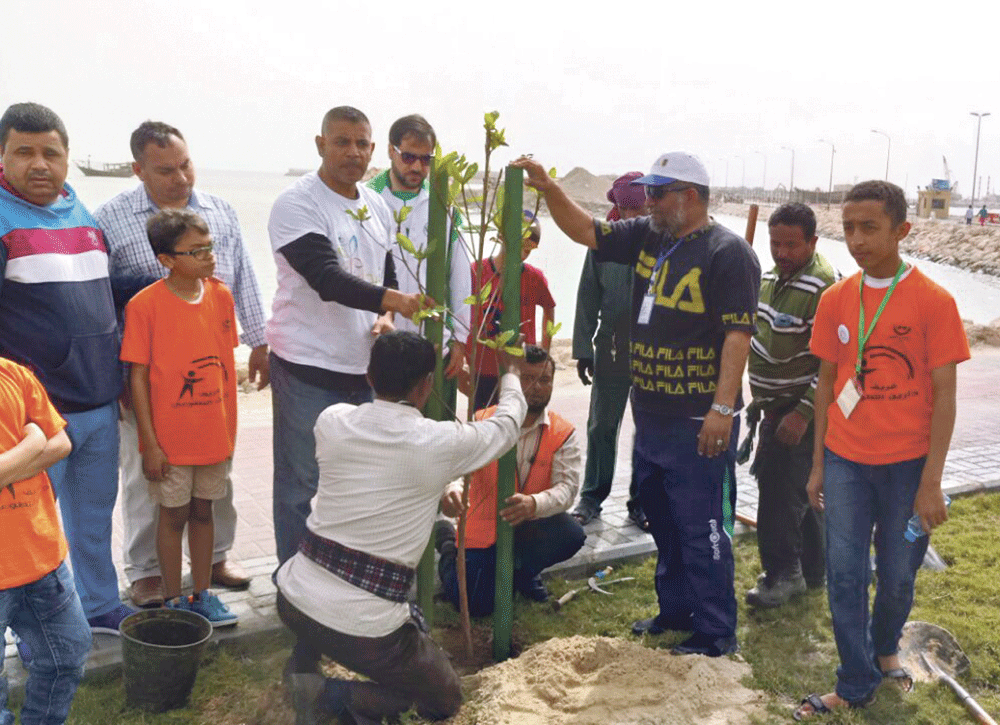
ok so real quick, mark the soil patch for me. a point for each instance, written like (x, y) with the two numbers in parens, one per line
(600, 680)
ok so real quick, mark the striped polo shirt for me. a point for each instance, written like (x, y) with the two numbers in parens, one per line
(782, 370)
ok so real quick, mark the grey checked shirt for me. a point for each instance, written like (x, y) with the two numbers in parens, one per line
(123, 221)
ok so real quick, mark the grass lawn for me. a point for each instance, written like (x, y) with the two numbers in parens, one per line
(790, 650)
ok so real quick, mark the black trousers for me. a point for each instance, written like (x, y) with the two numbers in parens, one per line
(789, 531)
(406, 668)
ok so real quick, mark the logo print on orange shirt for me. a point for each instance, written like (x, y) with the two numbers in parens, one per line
(885, 366)
(191, 377)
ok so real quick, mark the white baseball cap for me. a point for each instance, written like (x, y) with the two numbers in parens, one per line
(675, 166)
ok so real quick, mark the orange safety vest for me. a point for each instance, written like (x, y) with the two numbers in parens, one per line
(481, 528)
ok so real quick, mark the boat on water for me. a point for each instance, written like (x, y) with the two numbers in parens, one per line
(120, 170)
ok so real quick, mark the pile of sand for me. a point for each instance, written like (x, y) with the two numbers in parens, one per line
(601, 680)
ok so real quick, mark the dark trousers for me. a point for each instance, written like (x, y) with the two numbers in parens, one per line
(689, 501)
(789, 531)
(405, 668)
(538, 544)
(487, 392)
(608, 396)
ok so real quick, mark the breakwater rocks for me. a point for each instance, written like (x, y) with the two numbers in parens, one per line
(946, 241)
(970, 247)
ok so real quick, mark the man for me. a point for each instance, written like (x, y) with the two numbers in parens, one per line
(969, 214)
(332, 239)
(783, 381)
(548, 477)
(694, 298)
(605, 293)
(164, 166)
(383, 467)
(58, 319)
(404, 185)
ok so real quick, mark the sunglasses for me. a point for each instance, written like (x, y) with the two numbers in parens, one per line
(201, 253)
(658, 192)
(408, 158)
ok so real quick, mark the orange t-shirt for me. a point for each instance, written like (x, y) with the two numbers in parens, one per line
(188, 347)
(919, 330)
(34, 543)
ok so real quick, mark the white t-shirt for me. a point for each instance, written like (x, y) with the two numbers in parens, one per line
(412, 275)
(382, 470)
(303, 328)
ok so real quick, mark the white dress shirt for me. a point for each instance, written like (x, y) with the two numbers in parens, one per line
(382, 470)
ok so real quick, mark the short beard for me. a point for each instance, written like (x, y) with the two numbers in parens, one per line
(396, 177)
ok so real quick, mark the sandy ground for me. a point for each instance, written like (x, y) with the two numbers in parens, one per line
(600, 680)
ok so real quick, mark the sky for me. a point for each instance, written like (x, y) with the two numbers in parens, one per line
(607, 87)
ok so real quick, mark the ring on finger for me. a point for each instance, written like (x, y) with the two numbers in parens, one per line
(720, 442)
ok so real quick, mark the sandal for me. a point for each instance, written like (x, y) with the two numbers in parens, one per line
(637, 517)
(815, 702)
(585, 514)
(900, 677)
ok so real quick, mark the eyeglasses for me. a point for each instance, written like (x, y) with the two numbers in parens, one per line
(408, 158)
(201, 253)
(655, 193)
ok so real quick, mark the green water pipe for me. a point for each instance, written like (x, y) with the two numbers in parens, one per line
(437, 288)
(503, 601)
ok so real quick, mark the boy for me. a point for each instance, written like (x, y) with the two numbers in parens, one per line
(179, 338)
(37, 596)
(486, 317)
(888, 340)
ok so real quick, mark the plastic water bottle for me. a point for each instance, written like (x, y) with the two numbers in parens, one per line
(914, 530)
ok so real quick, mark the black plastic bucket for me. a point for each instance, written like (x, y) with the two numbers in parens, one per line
(161, 649)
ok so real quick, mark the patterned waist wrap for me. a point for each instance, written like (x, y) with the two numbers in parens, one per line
(378, 576)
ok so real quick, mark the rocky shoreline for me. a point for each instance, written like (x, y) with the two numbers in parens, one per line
(970, 247)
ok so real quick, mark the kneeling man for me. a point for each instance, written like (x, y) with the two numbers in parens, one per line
(547, 480)
(382, 470)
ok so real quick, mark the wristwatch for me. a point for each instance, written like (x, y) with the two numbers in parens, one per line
(723, 409)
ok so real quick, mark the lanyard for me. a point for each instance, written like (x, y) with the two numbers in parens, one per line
(862, 335)
(659, 263)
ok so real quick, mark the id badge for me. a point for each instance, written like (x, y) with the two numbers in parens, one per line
(646, 310)
(849, 397)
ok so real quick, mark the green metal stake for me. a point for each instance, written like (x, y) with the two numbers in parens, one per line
(437, 235)
(503, 600)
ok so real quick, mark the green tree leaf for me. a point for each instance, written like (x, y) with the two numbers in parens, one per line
(404, 241)
(514, 350)
(551, 330)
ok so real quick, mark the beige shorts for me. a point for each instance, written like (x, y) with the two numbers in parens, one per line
(186, 482)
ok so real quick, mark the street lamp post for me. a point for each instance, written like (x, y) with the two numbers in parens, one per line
(833, 150)
(975, 164)
(791, 182)
(763, 178)
(888, 149)
(743, 174)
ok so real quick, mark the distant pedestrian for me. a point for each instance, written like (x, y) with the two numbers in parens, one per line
(179, 338)
(982, 216)
(969, 214)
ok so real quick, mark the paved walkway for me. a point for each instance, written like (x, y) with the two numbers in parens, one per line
(973, 465)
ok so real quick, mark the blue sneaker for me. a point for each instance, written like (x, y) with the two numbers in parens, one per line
(179, 602)
(110, 622)
(211, 608)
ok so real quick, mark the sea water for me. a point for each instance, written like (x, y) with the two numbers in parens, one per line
(252, 194)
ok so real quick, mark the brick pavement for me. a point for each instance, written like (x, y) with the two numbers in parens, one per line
(973, 465)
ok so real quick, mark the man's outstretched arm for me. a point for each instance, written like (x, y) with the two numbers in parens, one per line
(574, 221)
